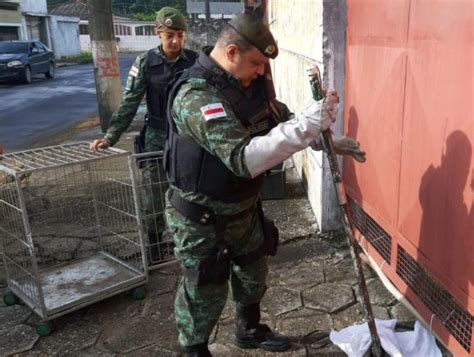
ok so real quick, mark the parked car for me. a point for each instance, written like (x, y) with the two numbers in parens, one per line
(22, 59)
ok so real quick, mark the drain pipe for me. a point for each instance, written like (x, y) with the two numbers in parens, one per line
(396, 293)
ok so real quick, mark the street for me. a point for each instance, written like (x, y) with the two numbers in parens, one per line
(30, 114)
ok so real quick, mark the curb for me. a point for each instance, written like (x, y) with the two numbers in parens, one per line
(65, 64)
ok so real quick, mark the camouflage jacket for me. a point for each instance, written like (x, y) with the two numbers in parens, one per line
(223, 136)
(133, 94)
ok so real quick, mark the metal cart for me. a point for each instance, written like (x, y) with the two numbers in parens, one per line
(69, 228)
(151, 184)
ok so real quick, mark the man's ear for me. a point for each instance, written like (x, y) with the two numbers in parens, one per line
(231, 52)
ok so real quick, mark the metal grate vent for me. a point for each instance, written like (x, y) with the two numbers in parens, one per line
(453, 316)
(377, 237)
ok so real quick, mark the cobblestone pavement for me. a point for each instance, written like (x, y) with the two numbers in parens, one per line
(311, 290)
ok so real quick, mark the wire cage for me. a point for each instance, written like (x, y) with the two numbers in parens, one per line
(69, 228)
(151, 186)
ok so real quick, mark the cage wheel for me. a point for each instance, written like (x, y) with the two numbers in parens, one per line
(44, 328)
(139, 293)
(9, 298)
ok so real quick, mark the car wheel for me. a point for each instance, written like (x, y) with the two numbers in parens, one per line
(26, 75)
(51, 71)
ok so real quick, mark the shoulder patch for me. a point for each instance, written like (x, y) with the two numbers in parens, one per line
(213, 111)
(133, 71)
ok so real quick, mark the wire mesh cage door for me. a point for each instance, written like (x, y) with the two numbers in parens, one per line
(69, 227)
(151, 185)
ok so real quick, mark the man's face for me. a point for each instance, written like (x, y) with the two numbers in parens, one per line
(247, 66)
(172, 41)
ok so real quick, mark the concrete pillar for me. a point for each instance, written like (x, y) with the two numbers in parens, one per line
(334, 48)
(106, 66)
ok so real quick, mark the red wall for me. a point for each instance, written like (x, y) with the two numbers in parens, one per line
(409, 101)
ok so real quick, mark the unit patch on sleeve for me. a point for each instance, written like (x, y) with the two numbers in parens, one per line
(213, 111)
(133, 71)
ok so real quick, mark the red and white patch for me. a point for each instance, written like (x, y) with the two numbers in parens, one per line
(213, 111)
(133, 71)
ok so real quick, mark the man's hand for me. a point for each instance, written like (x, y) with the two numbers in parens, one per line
(99, 144)
(329, 111)
(344, 145)
(264, 152)
(320, 113)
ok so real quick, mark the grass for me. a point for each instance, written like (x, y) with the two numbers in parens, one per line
(83, 58)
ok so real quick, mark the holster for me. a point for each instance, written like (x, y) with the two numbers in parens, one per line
(269, 245)
(211, 269)
(215, 267)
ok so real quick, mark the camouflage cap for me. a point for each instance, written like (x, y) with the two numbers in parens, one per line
(254, 30)
(171, 18)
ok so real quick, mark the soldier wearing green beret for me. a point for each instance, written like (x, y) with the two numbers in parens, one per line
(217, 151)
(225, 130)
(150, 75)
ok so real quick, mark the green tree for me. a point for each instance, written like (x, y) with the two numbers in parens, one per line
(145, 9)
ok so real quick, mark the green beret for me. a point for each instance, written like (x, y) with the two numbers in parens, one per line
(254, 30)
(171, 18)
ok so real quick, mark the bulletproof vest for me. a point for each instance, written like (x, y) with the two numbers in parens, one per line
(159, 75)
(194, 169)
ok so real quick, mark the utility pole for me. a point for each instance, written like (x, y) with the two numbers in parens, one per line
(104, 52)
(207, 11)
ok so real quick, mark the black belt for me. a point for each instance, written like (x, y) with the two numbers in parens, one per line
(201, 214)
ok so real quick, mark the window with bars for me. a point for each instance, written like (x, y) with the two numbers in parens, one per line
(84, 29)
(122, 30)
(146, 30)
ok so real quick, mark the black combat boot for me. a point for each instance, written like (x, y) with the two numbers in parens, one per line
(249, 333)
(200, 350)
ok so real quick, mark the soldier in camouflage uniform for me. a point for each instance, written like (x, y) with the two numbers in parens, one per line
(150, 75)
(215, 157)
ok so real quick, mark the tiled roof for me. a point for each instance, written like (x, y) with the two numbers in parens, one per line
(76, 8)
(79, 8)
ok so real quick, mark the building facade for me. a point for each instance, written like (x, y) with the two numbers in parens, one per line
(405, 84)
(11, 27)
(217, 9)
(29, 20)
(131, 35)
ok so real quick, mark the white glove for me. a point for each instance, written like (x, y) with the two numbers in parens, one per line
(264, 152)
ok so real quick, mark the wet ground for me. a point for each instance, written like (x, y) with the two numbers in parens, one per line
(31, 114)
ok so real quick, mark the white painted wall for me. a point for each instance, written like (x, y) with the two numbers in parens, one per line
(34, 6)
(65, 36)
(85, 42)
(299, 34)
(137, 43)
(131, 43)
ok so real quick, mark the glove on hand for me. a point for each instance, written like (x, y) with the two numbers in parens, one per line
(320, 114)
(329, 111)
(264, 152)
(344, 145)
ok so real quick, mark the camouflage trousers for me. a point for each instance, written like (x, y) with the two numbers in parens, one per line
(197, 309)
(154, 183)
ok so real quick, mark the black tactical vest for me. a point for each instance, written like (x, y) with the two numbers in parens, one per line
(159, 75)
(193, 169)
